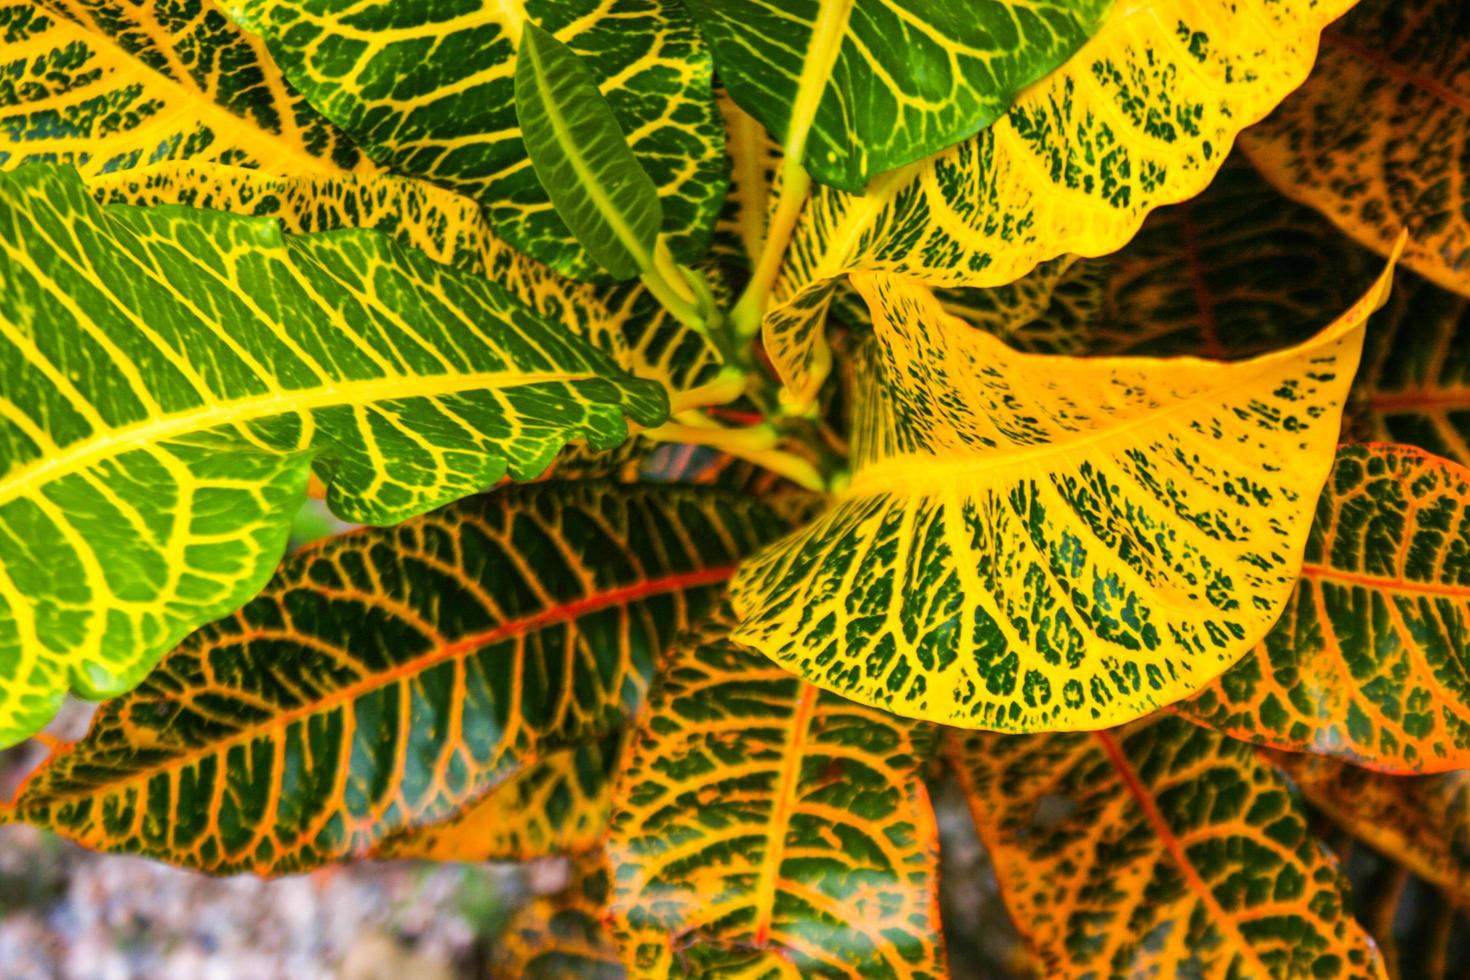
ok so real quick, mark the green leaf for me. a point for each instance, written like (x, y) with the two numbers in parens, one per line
(1159, 849)
(763, 823)
(1370, 660)
(852, 88)
(171, 376)
(562, 936)
(427, 89)
(1036, 543)
(390, 678)
(118, 85)
(582, 157)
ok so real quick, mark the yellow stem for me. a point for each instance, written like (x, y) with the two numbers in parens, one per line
(795, 183)
(755, 444)
(727, 386)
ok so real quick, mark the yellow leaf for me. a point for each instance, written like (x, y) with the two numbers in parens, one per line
(1034, 543)
(1141, 116)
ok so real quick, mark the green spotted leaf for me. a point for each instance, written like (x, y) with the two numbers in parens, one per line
(582, 157)
(1033, 543)
(762, 827)
(427, 89)
(852, 88)
(1141, 116)
(1370, 660)
(1159, 849)
(388, 679)
(115, 85)
(172, 376)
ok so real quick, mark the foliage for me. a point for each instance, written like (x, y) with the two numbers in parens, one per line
(756, 409)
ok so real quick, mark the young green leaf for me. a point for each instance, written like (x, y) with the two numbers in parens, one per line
(763, 822)
(1160, 849)
(387, 679)
(582, 157)
(172, 374)
(1370, 660)
(852, 88)
(1032, 543)
(1375, 138)
(427, 89)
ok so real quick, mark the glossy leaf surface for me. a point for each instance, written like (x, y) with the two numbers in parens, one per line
(388, 679)
(1370, 660)
(1160, 849)
(1032, 543)
(109, 85)
(582, 158)
(856, 87)
(1376, 138)
(1141, 116)
(172, 376)
(427, 88)
(764, 825)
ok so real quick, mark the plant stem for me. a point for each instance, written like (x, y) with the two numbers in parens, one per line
(756, 444)
(728, 385)
(795, 183)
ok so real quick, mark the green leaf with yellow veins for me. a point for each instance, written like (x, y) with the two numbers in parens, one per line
(1158, 850)
(852, 88)
(1031, 543)
(427, 88)
(763, 827)
(111, 85)
(562, 936)
(624, 321)
(173, 375)
(582, 158)
(1142, 116)
(387, 679)
(1375, 138)
(1370, 660)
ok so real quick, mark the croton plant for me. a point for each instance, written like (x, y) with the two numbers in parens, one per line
(757, 411)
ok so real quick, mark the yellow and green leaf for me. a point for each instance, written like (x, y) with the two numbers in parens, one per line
(111, 85)
(1370, 660)
(562, 936)
(851, 88)
(1422, 822)
(1160, 849)
(388, 679)
(1033, 543)
(173, 376)
(426, 87)
(1375, 139)
(1142, 116)
(763, 825)
(556, 805)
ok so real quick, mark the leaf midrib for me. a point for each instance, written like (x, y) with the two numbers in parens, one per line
(553, 615)
(78, 456)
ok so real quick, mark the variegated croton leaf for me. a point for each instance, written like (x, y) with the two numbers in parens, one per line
(1160, 849)
(851, 88)
(767, 828)
(562, 936)
(1376, 138)
(171, 378)
(1143, 115)
(426, 87)
(1031, 543)
(1370, 659)
(388, 679)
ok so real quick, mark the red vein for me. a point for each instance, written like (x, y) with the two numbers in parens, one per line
(1172, 844)
(1421, 398)
(1385, 582)
(1403, 73)
(561, 613)
(765, 895)
(1197, 284)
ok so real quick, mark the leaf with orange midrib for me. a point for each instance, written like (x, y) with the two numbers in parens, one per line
(390, 678)
(1159, 849)
(1371, 659)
